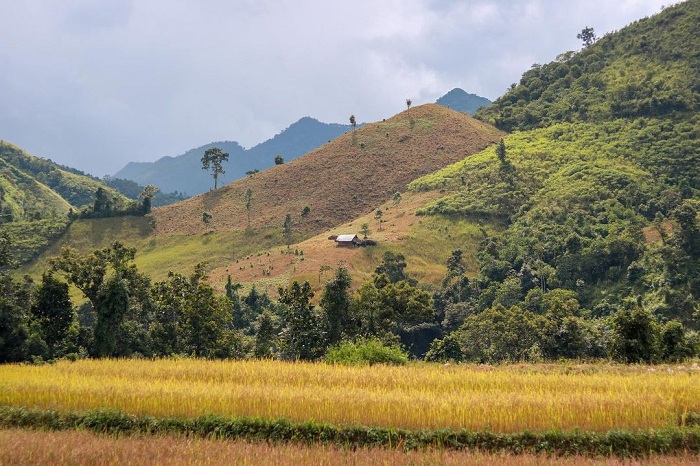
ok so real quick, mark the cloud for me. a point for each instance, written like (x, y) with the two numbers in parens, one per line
(95, 84)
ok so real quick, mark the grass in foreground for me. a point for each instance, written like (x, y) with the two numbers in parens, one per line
(24, 447)
(505, 399)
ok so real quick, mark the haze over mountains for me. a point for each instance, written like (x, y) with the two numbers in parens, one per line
(183, 173)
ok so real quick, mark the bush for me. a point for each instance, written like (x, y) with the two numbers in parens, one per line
(366, 351)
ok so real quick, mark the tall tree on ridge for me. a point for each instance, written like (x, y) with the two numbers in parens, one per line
(212, 160)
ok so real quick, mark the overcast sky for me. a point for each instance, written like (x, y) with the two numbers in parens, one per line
(95, 84)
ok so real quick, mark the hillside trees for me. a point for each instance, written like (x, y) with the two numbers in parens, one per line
(103, 202)
(335, 303)
(53, 310)
(213, 160)
(189, 318)
(147, 197)
(117, 291)
(287, 229)
(301, 336)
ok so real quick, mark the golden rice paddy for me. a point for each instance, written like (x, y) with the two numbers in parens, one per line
(418, 396)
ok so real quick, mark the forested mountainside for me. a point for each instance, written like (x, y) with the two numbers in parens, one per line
(598, 184)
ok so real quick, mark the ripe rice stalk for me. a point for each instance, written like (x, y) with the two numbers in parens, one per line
(502, 398)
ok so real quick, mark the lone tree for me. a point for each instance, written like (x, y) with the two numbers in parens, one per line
(305, 211)
(279, 160)
(501, 152)
(353, 122)
(248, 201)
(288, 229)
(206, 218)
(147, 196)
(364, 230)
(378, 216)
(212, 160)
(587, 35)
(408, 105)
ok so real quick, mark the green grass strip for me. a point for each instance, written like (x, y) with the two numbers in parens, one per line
(624, 443)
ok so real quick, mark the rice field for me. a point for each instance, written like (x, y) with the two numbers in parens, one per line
(503, 399)
(23, 447)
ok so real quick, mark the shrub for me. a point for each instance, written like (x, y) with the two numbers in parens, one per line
(366, 351)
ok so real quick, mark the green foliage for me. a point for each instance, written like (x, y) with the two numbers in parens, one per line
(499, 334)
(335, 303)
(364, 230)
(301, 337)
(15, 299)
(393, 266)
(366, 351)
(117, 291)
(587, 35)
(189, 319)
(75, 187)
(647, 69)
(622, 443)
(213, 160)
(635, 336)
(447, 349)
(53, 310)
(265, 336)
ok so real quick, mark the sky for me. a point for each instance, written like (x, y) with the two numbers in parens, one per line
(95, 84)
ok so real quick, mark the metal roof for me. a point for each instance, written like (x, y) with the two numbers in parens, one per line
(346, 238)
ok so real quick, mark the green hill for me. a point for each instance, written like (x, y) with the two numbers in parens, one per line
(36, 197)
(599, 180)
(648, 69)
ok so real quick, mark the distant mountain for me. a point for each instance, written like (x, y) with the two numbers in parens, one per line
(461, 101)
(184, 173)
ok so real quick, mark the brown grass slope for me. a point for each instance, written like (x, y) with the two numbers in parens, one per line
(342, 180)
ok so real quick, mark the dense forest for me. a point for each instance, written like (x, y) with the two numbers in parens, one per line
(125, 314)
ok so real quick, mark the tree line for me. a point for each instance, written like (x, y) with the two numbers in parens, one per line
(126, 314)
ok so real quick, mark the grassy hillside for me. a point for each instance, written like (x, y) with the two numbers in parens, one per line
(25, 198)
(341, 185)
(347, 177)
(36, 196)
(75, 187)
(184, 174)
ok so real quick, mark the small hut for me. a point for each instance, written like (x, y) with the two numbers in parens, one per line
(346, 240)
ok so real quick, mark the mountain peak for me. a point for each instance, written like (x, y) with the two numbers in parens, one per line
(461, 101)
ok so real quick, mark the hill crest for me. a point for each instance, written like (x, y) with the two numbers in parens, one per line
(183, 173)
(340, 180)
